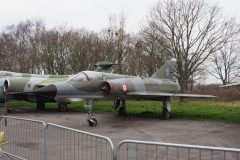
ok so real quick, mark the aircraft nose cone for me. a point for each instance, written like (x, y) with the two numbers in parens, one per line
(48, 91)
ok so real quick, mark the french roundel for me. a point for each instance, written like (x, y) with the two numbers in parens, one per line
(124, 87)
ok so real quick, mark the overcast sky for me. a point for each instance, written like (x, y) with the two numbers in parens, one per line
(91, 14)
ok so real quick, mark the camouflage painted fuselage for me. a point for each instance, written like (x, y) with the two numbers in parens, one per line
(96, 85)
(89, 87)
(19, 85)
(93, 85)
(21, 82)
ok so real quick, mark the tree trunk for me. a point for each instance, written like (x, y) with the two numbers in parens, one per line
(184, 87)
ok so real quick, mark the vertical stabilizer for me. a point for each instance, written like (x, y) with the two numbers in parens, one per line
(166, 71)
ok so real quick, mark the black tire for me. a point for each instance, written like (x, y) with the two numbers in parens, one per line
(11, 110)
(62, 107)
(40, 106)
(122, 112)
(116, 104)
(165, 114)
(92, 122)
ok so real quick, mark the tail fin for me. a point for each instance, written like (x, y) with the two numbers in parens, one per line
(166, 71)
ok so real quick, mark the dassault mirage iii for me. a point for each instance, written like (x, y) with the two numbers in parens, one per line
(22, 82)
(90, 85)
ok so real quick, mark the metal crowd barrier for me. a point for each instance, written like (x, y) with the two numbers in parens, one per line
(24, 137)
(34, 140)
(144, 150)
(65, 143)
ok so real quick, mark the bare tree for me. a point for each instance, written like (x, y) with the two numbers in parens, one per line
(154, 53)
(8, 51)
(86, 49)
(20, 46)
(117, 41)
(109, 35)
(192, 30)
(224, 64)
(136, 66)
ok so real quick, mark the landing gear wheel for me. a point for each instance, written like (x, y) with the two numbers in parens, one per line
(165, 114)
(122, 112)
(11, 110)
(92, 122)
(62, 107)
(40, 106)
(116, 103)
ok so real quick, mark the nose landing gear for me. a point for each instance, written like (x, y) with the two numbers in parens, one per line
(166, 108)
(120, 107)
(91, 120)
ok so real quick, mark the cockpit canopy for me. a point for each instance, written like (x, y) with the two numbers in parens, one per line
(81, 77)
(86, 76)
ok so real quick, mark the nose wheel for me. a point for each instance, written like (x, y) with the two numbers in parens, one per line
(166, 108)
(91, 120)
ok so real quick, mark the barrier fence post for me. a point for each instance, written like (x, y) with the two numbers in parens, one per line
(45, 144)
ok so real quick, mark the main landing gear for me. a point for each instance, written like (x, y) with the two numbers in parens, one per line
(166, 108)
(40, 106)
(88, 106)
(121, 108)
(62, 107)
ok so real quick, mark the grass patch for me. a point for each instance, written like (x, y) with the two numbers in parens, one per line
(197, 110)
(208, 110)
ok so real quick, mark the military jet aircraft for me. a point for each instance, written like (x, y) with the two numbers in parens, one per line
(21, 82)
(90, 85)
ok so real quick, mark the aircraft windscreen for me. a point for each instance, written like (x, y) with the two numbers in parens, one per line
(92, 76)
(81, 77)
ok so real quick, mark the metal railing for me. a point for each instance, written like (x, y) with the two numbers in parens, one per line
(32, 139)
(25, 137)
(66, 143)
(145, 150)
